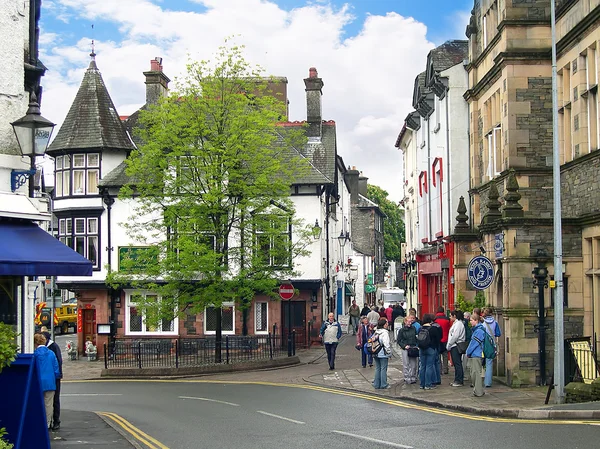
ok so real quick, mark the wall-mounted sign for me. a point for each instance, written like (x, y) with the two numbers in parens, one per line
(499, 246)
(481, 272)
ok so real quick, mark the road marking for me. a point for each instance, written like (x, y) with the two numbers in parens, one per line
(280, 417)
(209, 400)
(91, 394)
(134, 431)
(353, 394)
(372, 440)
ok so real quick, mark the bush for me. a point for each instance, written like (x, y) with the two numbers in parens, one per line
(467, 306)
(3, 443)
(8, 345)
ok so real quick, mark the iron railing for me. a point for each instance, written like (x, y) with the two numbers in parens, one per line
(197, 352)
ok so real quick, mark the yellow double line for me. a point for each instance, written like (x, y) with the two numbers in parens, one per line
(136, 433)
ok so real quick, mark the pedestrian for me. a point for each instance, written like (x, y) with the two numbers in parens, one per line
(389, 312)
(365, 330)
(456, 336)
(491, 327)
(427, 354)
(444, 322)
(50, 344)
(407, 340)
(468, 332)
(382, 357)
(436, 342)
(475, 354)
(373, 316)
(354, 312)
(365, 310)
(416, 322)
(48, 368)
(330, 333)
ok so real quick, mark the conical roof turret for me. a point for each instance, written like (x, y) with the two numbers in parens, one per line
(92, 121)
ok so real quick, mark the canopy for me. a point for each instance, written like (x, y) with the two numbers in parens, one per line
(28, 250)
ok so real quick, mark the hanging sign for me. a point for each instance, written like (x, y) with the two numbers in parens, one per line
(481, 272)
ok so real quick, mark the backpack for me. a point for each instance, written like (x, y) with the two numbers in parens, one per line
(423, 338)
(373, 345)
(489, 347)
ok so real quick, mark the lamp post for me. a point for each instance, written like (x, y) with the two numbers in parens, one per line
(33, 133)
(342, 239)
(540, 274)
(316, 230)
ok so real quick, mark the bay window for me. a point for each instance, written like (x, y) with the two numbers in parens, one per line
(77, 174)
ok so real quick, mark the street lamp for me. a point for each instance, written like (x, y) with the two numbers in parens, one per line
(343, 238)
(316, 230)
(33, 133)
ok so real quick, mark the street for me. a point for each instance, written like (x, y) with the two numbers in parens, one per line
(196, 414)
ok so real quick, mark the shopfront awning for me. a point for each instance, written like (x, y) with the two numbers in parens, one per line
(28, 250)
(350, 290)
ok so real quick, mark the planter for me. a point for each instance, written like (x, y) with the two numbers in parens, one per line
(92, 356)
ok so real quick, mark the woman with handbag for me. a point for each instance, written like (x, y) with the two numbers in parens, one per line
(407, 340)
(457, 346)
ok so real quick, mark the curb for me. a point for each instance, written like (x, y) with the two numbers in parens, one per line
(121, 432)
(531, 414)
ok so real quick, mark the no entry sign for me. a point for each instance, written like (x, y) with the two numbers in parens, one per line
(286, 291)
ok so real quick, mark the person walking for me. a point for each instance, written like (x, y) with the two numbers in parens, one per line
(407, 340)
(52, 346)
(444, 322)
(364, 332)
(389, 312)
(456, 336)
(48, 369)
(491, 327)
(427, 354)
(475, 354)
(382, 357)
(354, 312)
(373, 316)
(330, 333)
(365, 310)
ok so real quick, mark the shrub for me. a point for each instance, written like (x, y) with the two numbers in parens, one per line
(3, 443)
(8, 345)
(467, 306)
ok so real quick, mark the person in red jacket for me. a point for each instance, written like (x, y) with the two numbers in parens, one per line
(445, 324)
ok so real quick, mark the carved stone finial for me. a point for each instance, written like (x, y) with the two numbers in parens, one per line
(462, 217)
(512, 208)
(493, 205)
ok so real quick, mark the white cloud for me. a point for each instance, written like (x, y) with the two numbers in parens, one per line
(368, 78)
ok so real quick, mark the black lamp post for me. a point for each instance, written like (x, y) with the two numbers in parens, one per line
(33, 133)
(540, 275)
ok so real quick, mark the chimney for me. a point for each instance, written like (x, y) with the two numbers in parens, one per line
(351, 177)
(157, 83)
(362, 185)
(313, 84)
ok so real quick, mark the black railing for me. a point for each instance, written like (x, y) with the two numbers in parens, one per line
(196, 352)
(580, 360)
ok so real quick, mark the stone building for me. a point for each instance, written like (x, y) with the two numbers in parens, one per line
(510, 107)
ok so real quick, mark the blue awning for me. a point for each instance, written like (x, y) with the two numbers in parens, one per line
(28, 250)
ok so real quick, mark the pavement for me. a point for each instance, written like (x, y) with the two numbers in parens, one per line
(92, 430)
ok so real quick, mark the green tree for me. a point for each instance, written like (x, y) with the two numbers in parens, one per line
(393, 223)
(210, 189)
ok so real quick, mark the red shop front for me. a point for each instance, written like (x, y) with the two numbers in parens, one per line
(435, 266)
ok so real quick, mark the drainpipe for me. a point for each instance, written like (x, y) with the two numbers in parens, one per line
(327, 262)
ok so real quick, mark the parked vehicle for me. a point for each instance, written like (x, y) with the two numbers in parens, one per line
(67, 317)
(387, 296)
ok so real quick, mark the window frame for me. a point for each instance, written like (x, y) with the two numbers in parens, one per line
(272, 263)
(69, 235)
(256, 330)
(80, 165)
(144, 332)
(230, 304)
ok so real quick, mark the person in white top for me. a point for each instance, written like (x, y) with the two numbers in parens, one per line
(456, 336)
(382, 357)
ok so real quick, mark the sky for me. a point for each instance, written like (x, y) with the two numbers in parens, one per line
(367, 52)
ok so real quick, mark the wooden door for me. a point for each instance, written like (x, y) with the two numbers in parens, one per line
(293, 317)
(89, 325)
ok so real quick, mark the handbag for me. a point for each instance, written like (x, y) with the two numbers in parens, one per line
(462, 347)
(413, 352)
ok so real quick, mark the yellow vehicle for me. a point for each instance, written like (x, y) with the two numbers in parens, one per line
(67, 317)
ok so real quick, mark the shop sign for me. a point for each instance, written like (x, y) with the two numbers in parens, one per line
(481, 272)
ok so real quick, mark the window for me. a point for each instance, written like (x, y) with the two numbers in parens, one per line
(81, 234)
(227, 319)
(188, 237)
(261, 321)
(77, 174)
(136, 322)
(494, 141)
(273, 233)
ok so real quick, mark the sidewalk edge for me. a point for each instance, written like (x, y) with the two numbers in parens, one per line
(121, 432)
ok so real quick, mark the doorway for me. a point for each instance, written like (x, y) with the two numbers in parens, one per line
(89, 325)
(293, 318)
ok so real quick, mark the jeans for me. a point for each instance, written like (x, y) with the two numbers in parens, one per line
(459, 375)
(353, 324)
(437, 379)
(366, 356)
(489, 366)
(380, 380)
(427, 366)
(330, 348)
(444, 360)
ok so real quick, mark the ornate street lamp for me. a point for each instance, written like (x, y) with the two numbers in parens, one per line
(316, 230)
(33, 133)
(343, 238)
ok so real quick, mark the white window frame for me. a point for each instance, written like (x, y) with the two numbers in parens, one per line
(67, 166)
(69, 236)
(494, 139)
(256, 305)
(144, 332)
(224, 332)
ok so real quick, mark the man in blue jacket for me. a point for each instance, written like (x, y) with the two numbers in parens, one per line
(330, 333)
(475, 354)
(48, 372)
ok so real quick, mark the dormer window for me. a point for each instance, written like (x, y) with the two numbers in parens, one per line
(77, 174)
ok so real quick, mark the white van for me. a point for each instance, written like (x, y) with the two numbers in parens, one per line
(387, 296)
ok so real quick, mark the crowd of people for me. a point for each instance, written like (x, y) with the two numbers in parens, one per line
(428, 346)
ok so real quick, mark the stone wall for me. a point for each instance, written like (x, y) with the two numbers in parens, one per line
(580, 185)
(362, 231)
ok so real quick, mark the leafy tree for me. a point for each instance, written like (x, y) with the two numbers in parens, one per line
(210, 189)
(393, 224)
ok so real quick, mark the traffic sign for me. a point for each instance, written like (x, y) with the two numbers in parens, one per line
(286, 291)
(481, 272)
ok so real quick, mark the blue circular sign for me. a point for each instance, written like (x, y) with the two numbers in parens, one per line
(481, 272)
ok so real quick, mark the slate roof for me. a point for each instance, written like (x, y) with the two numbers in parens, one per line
(449, 54)
(92, 121)
(116, 177)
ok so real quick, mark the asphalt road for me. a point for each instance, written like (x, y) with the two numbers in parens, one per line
(193, 415)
